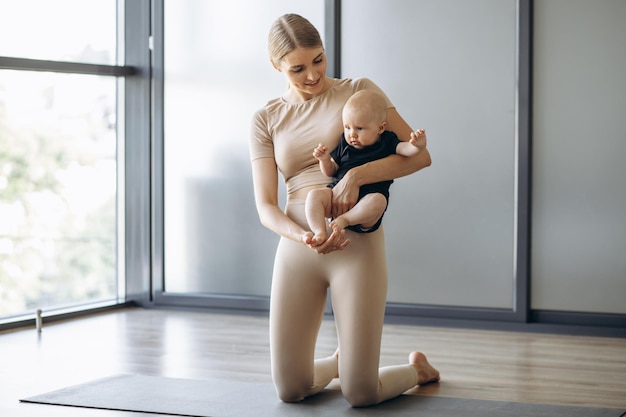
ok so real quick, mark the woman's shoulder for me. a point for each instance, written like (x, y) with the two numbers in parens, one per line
(364, 83)
(361, 83)
(355, 84)
(270, 105)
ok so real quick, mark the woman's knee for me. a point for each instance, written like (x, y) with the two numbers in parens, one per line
(291, 386)
(361, 399)
(289, 393)
(360, 395)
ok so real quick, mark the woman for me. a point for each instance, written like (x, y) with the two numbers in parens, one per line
(284, 133)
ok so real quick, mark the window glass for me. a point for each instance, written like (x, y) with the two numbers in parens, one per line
(60, 30)
(58, 176)
(217, 73)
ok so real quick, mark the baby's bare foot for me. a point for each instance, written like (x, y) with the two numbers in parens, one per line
(426, 373)
(339, 223)
(319, 238)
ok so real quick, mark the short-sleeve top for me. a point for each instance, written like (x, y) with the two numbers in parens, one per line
(288, 132)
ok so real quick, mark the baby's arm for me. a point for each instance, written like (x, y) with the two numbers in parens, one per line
(327, 165)
(413, 145)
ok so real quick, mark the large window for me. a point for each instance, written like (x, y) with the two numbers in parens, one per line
(60, 30)
(59, 150)
(217, 73)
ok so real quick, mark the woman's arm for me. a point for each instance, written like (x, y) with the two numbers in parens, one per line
(346, 192)
(265, 180)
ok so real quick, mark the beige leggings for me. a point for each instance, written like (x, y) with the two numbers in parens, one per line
(357, 277)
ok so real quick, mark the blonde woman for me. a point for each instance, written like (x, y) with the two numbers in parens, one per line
(283, 133)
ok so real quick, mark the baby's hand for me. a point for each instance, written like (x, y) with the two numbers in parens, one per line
(321, 152)
(418, 138)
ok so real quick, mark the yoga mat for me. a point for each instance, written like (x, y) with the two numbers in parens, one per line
(229, 398)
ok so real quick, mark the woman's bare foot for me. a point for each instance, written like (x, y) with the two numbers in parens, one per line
(425, 371)
(336, 356)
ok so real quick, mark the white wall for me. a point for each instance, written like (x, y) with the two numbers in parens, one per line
(449, 67)
(579, 148)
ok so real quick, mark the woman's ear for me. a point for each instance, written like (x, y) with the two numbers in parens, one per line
(276, 67)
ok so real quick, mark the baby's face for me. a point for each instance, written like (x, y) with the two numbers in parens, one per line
(360, 128)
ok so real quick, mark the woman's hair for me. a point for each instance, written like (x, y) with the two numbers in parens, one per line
(291, 31)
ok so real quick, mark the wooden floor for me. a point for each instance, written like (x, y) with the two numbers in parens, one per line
(496, 365)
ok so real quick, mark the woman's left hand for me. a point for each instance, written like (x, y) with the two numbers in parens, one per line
(336, 241)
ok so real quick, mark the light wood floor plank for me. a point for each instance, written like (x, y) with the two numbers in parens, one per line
(495, 365)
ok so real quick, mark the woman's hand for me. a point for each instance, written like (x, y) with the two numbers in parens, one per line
(345, 194)
(336, 241)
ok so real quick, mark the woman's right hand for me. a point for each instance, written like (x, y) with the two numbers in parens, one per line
(345, 193)
(336, 241)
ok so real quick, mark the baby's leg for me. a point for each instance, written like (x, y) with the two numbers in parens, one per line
(318, 204)
(365, 213)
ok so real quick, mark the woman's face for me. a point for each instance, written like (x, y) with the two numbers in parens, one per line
(305, 69)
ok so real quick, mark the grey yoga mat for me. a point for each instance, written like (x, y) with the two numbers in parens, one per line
(229, 398)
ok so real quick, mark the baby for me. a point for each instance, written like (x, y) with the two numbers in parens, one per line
(364, 139)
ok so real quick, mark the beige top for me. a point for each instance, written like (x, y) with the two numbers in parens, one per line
(288, 132)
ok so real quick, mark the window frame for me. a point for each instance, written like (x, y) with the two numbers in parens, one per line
(134, 117)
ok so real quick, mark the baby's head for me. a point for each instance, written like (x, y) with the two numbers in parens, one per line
(364, 118)
(368, 104)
